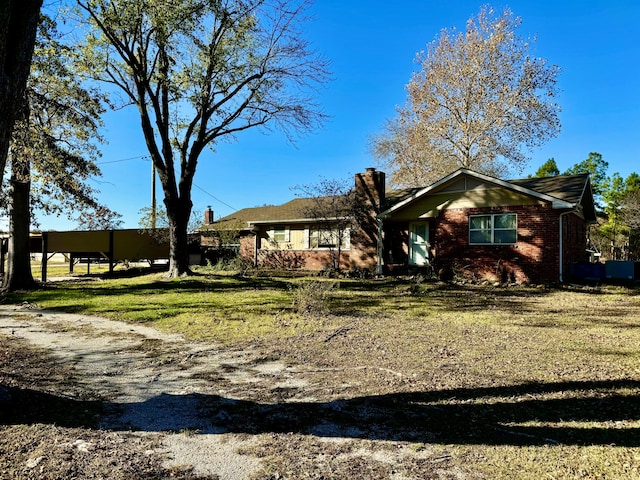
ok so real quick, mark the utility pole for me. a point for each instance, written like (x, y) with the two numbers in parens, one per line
(153, 196)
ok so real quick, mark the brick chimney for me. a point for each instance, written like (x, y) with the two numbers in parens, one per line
(370, 194)
(208, 216)
(370, 188)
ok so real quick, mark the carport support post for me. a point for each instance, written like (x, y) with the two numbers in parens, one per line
(111, 251)
(45, 248)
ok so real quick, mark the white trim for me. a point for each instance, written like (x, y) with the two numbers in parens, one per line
(492, 227)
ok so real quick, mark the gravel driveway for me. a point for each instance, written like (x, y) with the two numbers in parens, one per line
(224, 414)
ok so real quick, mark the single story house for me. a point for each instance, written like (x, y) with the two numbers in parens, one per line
(467, 223)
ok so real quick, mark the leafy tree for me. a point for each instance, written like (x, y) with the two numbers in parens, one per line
(548, 169)
(99, 218)
(594, 165)
(334, 206)
(618, 199)
(613, 193)
(18, 26)
(480, 101)
(632, 183)
(200, 71)
(52, 149)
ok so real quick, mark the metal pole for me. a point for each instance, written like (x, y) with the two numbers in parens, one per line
(153, 196)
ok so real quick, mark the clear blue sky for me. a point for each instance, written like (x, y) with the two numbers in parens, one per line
(371, 45)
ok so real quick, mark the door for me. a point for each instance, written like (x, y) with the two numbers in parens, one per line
(419, 243)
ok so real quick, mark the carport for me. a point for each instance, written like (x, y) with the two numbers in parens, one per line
(113, 246)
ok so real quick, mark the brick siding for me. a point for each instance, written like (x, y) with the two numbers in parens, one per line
(533, 259)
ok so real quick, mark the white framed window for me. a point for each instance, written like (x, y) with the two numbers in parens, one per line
(494, 229)
(329, 238)
(279, 234)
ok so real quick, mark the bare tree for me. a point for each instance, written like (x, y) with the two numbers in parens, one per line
(335, 208)
(199, 71)
(480, 101)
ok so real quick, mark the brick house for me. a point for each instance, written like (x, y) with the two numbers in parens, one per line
(467, 223)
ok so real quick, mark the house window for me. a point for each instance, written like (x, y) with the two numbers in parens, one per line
(493, 229)
(329, 238)
(280, 234)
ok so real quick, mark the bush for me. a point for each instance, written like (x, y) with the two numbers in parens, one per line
(313, 297)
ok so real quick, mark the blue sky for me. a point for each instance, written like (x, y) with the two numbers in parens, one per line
(371, 45)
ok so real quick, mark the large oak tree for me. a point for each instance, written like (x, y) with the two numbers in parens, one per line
(18, 25)
(480, 100)
(199, 71)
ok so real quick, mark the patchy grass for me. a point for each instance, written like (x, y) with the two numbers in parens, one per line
(501, 382)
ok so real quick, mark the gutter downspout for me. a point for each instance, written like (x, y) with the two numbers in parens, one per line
(380, 245)
(561, 243)
(256, 242)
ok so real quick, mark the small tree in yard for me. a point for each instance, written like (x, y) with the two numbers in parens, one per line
(199, 71)
(480, 101)
(334, 207)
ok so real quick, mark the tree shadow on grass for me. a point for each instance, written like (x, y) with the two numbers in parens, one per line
(568, 413)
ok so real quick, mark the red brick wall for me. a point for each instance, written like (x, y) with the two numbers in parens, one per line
(247, 246)
(301, 259)
(535, 257)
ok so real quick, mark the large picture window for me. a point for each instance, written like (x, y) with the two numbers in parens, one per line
(329, 238)
(493, 229)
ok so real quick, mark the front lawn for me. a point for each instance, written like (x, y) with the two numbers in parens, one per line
(513, 382)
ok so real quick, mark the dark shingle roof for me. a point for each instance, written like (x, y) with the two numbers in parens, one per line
(298, 209)
(575, 189)
(569, 188)
(396, 196)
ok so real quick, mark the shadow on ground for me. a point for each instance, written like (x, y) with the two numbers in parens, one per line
(570, 413)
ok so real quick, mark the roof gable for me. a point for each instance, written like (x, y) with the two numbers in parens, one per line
(562, 192)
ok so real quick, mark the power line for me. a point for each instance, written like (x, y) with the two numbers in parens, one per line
(146, 157)
(213, 196)
(141, 157)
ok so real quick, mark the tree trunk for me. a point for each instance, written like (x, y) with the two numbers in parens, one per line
(178, 212)
(18, 269)
(18, 25)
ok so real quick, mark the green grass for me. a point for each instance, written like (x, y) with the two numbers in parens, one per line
(534, 383)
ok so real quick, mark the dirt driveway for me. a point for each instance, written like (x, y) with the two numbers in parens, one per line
(205, 411)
